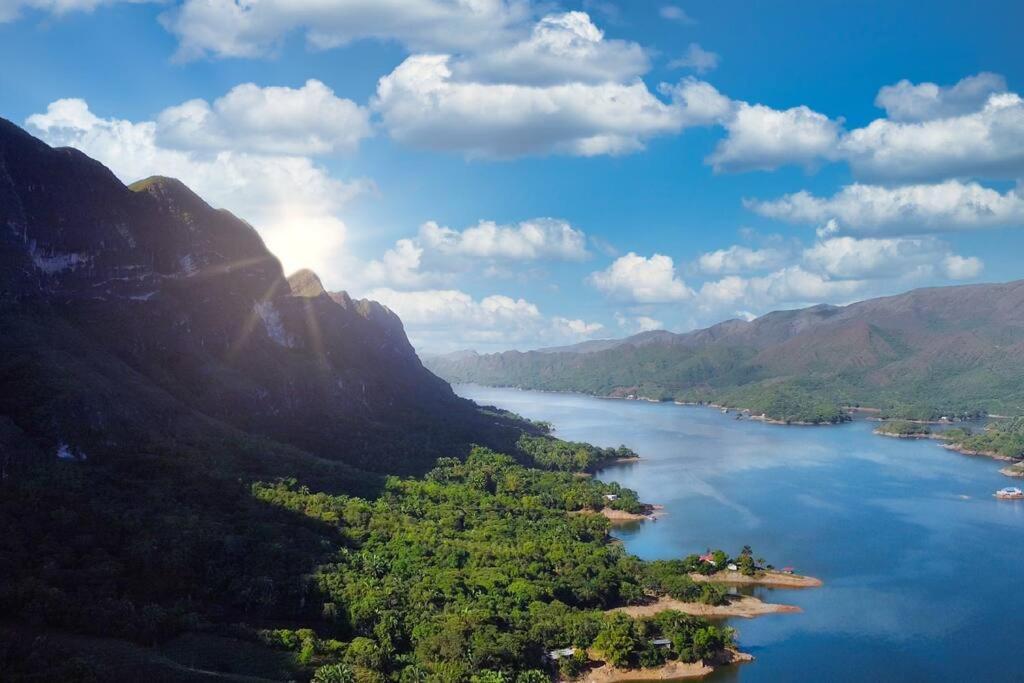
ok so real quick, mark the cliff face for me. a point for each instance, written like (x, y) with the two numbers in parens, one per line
(142, 318)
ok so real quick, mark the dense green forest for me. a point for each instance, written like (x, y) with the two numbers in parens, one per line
(474, 568)
(1004, 438)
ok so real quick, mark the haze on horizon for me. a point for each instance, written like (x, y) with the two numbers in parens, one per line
(510, 174)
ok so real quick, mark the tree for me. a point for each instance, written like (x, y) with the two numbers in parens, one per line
(617, 641)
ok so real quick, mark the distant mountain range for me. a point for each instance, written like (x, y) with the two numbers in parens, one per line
(141, 321)
(926, 353)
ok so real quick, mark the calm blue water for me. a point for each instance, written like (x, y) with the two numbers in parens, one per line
(920, 562)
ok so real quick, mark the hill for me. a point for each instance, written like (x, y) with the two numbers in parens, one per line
(923, 354)
(140, 319)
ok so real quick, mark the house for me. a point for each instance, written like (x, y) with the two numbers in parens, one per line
(787, 570)
(732, 567)
(709, 559)
(611, 497)
(661, 642)
(561, 653)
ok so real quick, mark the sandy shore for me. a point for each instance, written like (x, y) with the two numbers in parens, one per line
(668, 672)
(623, 517)
(776, 579)
(743, 606)
(1016, 471)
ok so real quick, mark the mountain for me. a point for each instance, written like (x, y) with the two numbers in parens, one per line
(925, 353)
(139, 319)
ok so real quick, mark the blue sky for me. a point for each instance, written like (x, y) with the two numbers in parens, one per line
(514, 174)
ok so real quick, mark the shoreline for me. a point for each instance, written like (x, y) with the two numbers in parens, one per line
(614, 516)
(670, 671)
(760, 418)
(768, 578)
(739, 606)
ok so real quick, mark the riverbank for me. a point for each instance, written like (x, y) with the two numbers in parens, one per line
(769, 578)
(670, 671)
(742, 606)
(650, 512)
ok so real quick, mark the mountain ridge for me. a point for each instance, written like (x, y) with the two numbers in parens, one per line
(922, 353)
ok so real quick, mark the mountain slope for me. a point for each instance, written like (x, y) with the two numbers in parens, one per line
(140, 319)
(925, 353)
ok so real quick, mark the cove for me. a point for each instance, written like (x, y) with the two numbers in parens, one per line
(920, 562)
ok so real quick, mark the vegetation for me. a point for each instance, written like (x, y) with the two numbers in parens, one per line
(1003, 438)
(569, 456)
(474, 568)
(904, 428)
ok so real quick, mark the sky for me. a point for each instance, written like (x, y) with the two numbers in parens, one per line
(519, 174)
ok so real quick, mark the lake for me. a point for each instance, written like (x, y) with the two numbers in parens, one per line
(919, 560)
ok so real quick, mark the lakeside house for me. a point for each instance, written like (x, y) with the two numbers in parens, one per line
(561, 653)
(708, 558)
(661, 642)
(732, 567)
(611, 497)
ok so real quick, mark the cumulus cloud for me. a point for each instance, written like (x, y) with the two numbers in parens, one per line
(293, 202)
(638, 323)
(641, 280)
(562, 48)
(530, 240)
(696, 58)
(907, 209)
(987, 143)
(443, 319)
(874, 258)
(238, 28)
(788, 286)
(740, 259)
(906, 101)
(305, 121)
(438, 253)
(762, 138)
(422, 103)
(974, 129)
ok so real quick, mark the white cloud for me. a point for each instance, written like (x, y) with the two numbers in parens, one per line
(576, 327)
(638, 323)
(422, 103)
(241, 28)
(908, 209)
(788, 286)
(293, 202)
(762, 138)
(906, 101)
(675, 13)
(12, 9)
(893, 258)
(971, 129)
(444, 319)
(987, 143)
(275, 120)
(696, 58)
(437, 253)
(641, 280)
(562, 48)
(530, 240)
(961, 268)
(740, 259)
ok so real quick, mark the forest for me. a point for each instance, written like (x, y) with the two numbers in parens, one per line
(470, 573)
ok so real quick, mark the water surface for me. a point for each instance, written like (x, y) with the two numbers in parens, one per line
(919, 560)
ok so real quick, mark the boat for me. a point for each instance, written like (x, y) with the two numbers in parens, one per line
(1009, 493)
